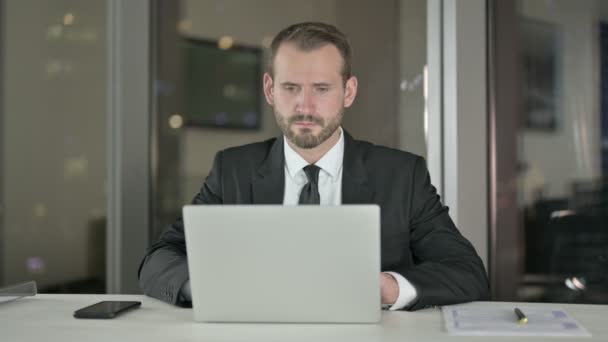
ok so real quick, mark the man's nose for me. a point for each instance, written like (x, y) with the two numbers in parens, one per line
(305, 102)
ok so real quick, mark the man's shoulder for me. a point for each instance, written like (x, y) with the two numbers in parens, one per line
(387, 163)
(373, 153)
(257, 151)
(255, 147)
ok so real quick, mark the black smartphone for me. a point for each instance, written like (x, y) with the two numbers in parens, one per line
(106, 309)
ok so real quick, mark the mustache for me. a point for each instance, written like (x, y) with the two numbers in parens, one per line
(306, 118)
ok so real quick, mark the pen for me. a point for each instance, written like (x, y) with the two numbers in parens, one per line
(521, 318)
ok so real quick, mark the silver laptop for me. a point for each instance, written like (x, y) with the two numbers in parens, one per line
(274, 263)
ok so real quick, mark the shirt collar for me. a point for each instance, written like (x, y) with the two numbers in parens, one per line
(331, 162)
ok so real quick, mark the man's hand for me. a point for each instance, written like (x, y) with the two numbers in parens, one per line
(389, 289)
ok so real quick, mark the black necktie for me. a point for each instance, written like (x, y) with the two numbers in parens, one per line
(310, 191)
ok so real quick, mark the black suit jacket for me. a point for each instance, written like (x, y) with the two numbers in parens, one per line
(418, 238)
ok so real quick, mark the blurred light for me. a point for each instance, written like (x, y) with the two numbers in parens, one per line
(35, 264)
(184, 26)
(575, 283)
(68, 19)
(176, 121)
(221, 118)
(569, 284)
(40, 210)
(414, 84)
(267, 41)
(225, 42)
(86, 36)
(53, 67)
(75, 167)
(579, 283)
(54, 32)
(562, 213)
(250, 119)
(89, 36)
(230, 91)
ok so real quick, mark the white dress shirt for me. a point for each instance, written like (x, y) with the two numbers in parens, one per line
(330, 192)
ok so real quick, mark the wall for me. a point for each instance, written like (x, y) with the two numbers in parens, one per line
(374, 115)
(412, 60)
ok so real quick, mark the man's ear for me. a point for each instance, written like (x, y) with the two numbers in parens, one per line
(350, 91)
(268, 90)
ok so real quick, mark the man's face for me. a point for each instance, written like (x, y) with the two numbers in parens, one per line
(308, 93)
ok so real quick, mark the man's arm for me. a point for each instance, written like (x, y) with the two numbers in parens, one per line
(164, 270)
(396, 291)
(448, 269)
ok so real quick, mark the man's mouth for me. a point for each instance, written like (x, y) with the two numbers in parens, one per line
(304, 123)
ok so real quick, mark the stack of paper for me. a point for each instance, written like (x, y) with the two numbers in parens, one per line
(499, 319)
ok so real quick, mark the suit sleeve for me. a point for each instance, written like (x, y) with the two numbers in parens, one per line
(164, 269)
(447, 269)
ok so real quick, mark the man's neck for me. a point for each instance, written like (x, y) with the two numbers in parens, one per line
(313, 155)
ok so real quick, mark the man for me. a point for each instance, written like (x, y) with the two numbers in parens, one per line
(425, 260)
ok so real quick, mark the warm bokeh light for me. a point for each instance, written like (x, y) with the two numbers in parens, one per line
(267, 41)
(225, 42)
(176, 121)
(40, 210)
(184, 26)
(54, 32)
(68, 19)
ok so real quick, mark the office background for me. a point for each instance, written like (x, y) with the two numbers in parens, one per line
(506, 99)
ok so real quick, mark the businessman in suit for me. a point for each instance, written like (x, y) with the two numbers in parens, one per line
(425, 260)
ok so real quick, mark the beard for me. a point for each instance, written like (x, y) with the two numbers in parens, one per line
(304, 137)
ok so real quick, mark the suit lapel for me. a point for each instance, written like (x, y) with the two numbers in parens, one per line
(355, 186)
(268, 185)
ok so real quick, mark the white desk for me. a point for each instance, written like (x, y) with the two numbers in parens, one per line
(47, 318)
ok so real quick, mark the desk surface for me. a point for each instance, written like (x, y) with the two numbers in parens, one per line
(49, 318)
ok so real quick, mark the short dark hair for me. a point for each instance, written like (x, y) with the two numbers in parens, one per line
(309, 36)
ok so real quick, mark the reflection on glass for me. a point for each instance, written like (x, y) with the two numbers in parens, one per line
(53, 160)
(562, 190)
(390, 51)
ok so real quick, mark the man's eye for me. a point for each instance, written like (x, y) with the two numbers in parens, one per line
(290, 88)
(322, 89)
